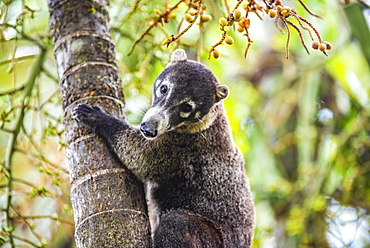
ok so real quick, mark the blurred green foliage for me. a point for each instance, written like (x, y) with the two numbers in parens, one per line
(302, 123)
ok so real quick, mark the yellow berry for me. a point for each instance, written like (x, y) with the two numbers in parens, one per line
(237, 15)
(188, 17)
(328, 45)
(241, 29)
(279, 8)
(272, 13)
(285, 11)
(192, 12)
(206, 18)
(224, 28)
(287, 8)
(315, 45)
(229, 40)
(215, 54)
(223, 21)
(322, 47)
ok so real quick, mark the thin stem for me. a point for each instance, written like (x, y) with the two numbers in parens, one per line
(35, 71)
(26, 241)
(32, 229)
(35, 217)
(303, 27)
(217, 44)
(299, 33)
(200, 5)
(307, 9)
(134, 7)
(249, 43)
(159, 19)
(277, 25)
(312, 27)
(288, 37)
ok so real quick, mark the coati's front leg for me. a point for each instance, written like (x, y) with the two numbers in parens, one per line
(124, 139)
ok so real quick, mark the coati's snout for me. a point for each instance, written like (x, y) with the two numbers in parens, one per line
(148, 130)
(155, 122)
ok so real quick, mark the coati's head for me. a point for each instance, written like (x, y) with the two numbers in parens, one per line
(184, 95)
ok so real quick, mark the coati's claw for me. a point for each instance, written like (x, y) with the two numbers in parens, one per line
(84, 113)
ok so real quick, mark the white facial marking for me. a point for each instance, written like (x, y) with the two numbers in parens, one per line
(192, 103)
(197, 114)
(170, 88)
(157, 82)
(158, 92)
(187, 114)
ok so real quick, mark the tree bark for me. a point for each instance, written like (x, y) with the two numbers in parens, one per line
(108, 201)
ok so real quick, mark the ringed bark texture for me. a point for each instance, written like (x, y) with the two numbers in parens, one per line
(108, 201)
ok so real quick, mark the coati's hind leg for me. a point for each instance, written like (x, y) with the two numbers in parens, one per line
(178, 229)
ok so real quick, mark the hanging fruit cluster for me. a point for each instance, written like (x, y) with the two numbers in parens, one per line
(274, 9)
(239, 19)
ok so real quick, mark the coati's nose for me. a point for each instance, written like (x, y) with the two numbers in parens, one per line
(147, 130)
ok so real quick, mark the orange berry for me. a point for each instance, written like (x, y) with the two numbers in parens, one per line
(322, 47)
(328, 45)
(279, 3)
(315, 45)
(272, 13)
(215, 54)
(241, 29)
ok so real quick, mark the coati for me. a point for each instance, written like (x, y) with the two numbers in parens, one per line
(196, 187)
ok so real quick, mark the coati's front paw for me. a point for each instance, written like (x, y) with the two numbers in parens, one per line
(88, 115)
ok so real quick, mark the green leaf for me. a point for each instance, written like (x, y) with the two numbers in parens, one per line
(359, 27)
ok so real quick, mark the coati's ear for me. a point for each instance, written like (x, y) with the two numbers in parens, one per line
(178, 55)
(222, 91)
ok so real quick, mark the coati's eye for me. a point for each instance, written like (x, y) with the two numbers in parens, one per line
(186, 107)
(163, 89)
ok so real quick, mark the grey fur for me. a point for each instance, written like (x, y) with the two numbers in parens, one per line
(197, 189)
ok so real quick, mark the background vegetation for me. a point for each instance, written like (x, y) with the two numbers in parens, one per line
(302, 123)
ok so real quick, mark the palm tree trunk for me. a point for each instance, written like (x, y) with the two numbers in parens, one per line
(108, 201)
